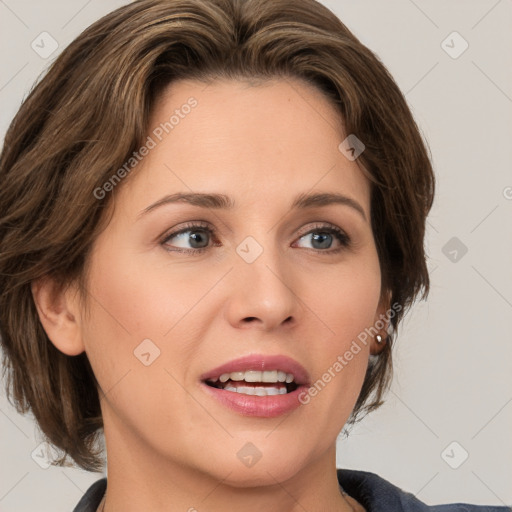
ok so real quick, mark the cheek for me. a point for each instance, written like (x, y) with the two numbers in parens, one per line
(133, 301)
(126, 343)
(346, 299)
(345, 306)
(124, 311)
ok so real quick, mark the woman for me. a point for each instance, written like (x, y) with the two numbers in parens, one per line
(244, 194)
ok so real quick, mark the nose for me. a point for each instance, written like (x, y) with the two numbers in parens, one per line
(261, 293)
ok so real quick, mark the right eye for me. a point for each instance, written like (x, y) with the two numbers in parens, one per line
(197, 235)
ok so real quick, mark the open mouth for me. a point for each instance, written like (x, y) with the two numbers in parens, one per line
(256, 383)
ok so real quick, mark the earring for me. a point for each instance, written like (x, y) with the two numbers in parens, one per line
(378, 338)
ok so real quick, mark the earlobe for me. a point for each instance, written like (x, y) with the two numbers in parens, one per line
(381, 323)
(58, 312)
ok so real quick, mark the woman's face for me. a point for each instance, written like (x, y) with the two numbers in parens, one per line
(261, 278)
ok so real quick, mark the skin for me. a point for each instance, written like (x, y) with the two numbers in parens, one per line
(169, 445)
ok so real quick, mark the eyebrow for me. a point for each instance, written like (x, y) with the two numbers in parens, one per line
(223, 202)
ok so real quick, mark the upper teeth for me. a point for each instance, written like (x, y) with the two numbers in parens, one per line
(258, 376)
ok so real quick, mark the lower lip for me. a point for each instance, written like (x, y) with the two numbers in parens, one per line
(269, 406)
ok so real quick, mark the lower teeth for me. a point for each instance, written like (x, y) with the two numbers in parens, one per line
(258, 391)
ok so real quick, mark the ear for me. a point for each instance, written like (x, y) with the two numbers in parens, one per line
(59, 314)
(381, 322)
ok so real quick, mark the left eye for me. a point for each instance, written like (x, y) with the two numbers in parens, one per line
(323, 237)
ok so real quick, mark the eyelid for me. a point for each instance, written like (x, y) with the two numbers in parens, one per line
(321, 225)
(187, 226)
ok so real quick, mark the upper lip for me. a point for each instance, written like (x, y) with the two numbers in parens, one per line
(261, 363)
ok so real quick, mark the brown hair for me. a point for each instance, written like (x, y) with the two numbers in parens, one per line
(90, 112)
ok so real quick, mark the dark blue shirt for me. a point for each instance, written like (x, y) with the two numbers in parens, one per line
(373, 492)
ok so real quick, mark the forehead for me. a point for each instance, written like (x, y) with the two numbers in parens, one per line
(253, 141)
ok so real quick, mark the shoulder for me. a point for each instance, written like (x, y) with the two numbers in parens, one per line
(378, 495)
(92, 498)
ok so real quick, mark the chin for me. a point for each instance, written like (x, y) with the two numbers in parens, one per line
(265, 475)
(279, 465)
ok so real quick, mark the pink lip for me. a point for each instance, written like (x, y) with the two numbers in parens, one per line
(261, 362)
(261, 406)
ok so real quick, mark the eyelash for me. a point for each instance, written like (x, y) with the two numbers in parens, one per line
(342, 237)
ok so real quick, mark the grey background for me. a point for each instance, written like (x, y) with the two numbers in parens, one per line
(453, 356)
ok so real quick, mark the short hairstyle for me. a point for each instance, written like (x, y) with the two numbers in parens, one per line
(90, 112)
